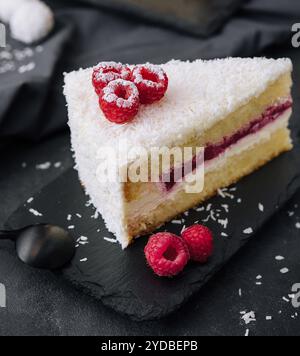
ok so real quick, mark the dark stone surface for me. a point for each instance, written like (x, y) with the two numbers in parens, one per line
(40, 304)
(121, 279)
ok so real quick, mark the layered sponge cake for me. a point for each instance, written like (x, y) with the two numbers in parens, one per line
(236, 109)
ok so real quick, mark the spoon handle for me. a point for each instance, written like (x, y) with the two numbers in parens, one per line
(7, 235)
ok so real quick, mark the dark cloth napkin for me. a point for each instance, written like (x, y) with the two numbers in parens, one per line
(31, 102)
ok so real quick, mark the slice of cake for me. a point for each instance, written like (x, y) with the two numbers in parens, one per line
(236, 109)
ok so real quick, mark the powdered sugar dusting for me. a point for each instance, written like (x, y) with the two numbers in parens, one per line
(155, 69)
(110, 93)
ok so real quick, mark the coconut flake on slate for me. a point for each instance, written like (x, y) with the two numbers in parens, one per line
(30, 200)
(43, 166)
(178, 222)
(114, 241)
(249, 317)
(71, 227)
(297, 225)
(83, 259)
(248, 231)
(279, 258)
(261, 207)
(35, 212)
(284, 270)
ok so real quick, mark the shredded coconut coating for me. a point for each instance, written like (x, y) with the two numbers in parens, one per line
(200, 94)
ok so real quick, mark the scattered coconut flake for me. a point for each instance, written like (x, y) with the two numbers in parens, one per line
(249, 317)
(269, 317)
(261, 207)
(224, 234)
(43, 166)
(284, 270)
(240, 292)
(258, 283)
(178, 222)
(223, 193)
(183, 228)
(201, 208)
(239, 200)
(286, 299)
(24, 165)
(26, 68)
(248, 231)
(95, 216)
(79, 216)
(211, 216)
(226, 207)
(247, 333)
(71, 227)
(88, 203)
(223, 222)
(208, 207)
(57, 164)
(30, 200)
(83, 238)
(83, 259)
(35, 212)
(297, 225)
(69, 217)
(259, 277)
(291, 213)
(114, 241)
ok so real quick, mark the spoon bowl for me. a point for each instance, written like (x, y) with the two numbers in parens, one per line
(43, 246)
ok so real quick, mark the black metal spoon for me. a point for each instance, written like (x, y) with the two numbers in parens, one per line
(42, 246)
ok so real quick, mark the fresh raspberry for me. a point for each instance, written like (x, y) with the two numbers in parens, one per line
(166, 254)
(106, 72)
(120, 101)
(151, 81)
(199, 241)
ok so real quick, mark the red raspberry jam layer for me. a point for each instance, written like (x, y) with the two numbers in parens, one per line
(212, 151)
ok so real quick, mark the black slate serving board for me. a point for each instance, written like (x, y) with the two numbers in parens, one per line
(121, 279)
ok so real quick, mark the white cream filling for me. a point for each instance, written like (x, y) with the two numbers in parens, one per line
(150, 200)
